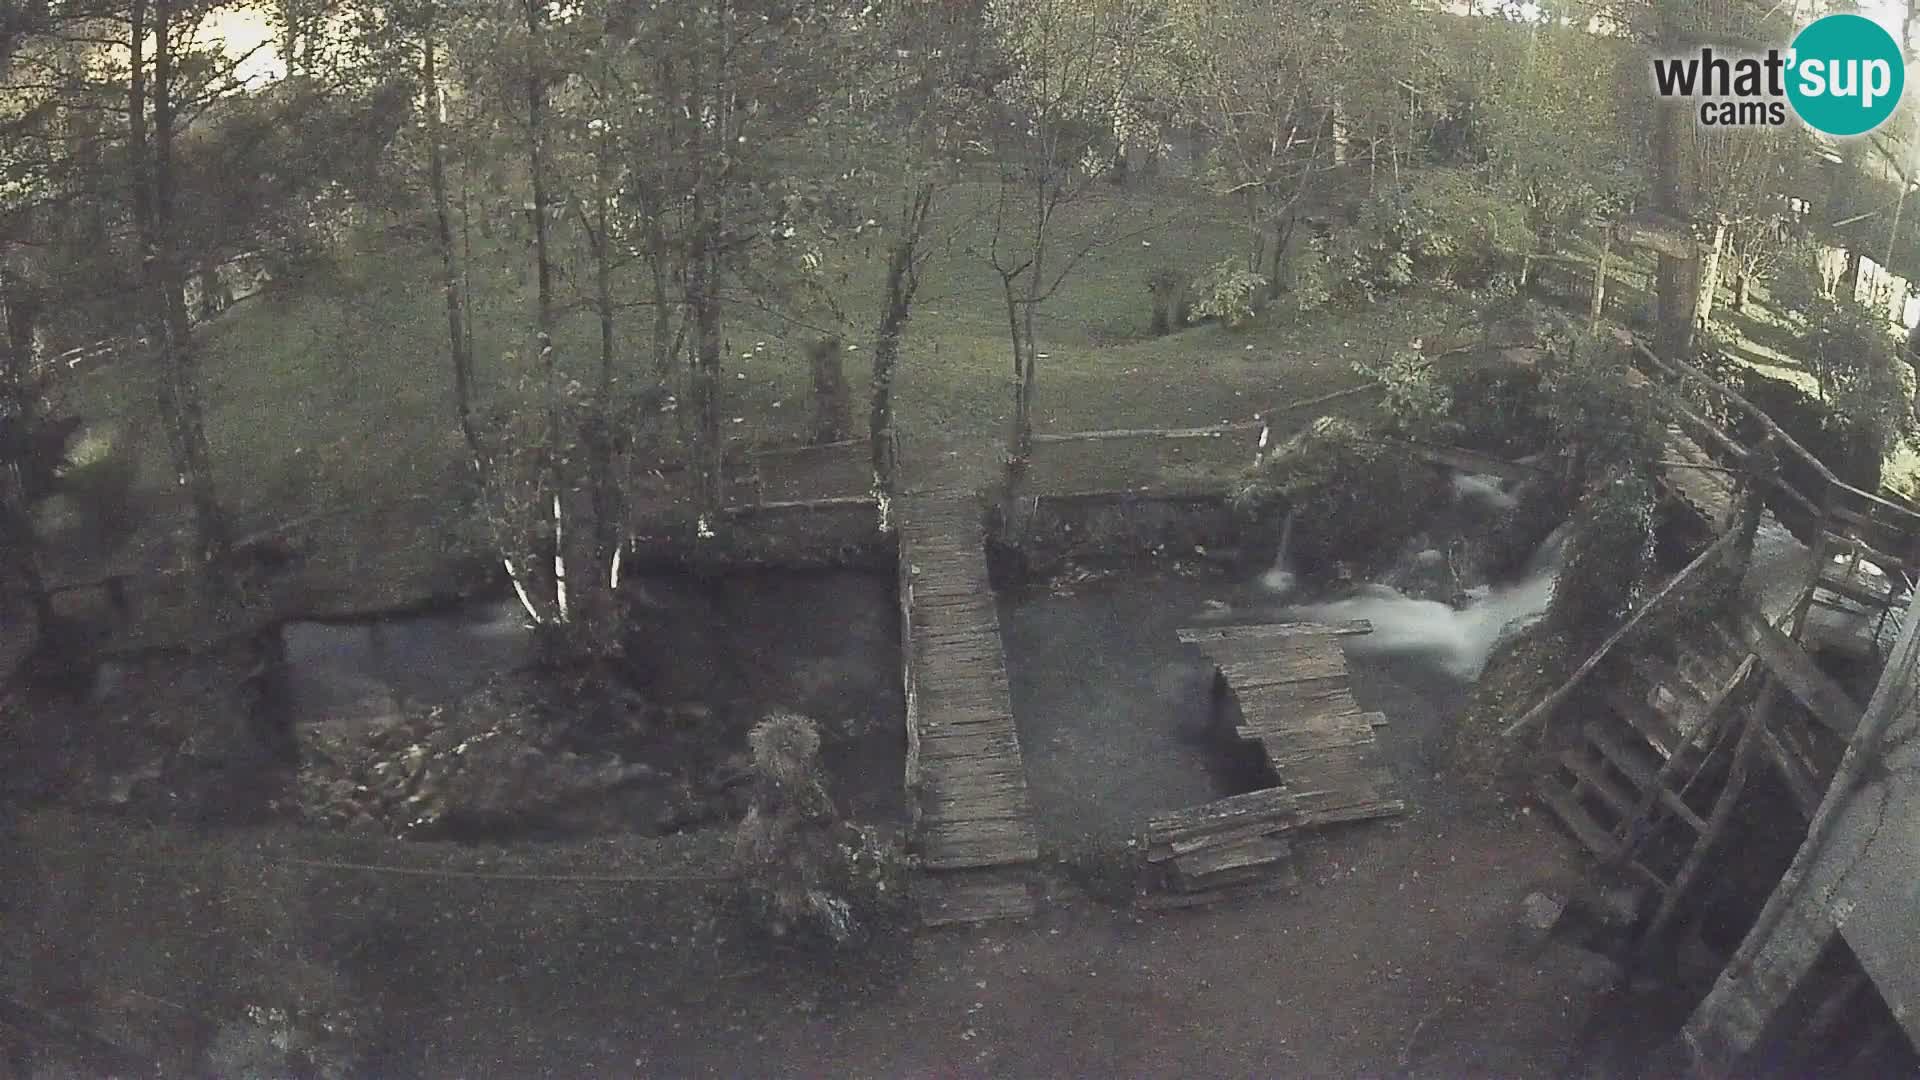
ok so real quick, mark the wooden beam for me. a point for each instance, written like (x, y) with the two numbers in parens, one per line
(1790, 664)
(1551, 701)
(1908, 514)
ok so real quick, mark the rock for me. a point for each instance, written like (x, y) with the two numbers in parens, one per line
(1539, 913)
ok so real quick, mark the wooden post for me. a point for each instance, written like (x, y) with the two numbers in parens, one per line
(1599, 299)
(1722, 814)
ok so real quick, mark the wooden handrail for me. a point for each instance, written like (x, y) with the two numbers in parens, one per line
(1551, 701)
(1688, 370)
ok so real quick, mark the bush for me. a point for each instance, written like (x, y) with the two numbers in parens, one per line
(1417, 403)
(1609, 552)
(1594, 411)
(1499, 409)
(1444, 225)
(1227, 292)
(1351, 495)
(804, 871)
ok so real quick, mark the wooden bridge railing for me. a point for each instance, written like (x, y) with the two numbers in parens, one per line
(1889, 531)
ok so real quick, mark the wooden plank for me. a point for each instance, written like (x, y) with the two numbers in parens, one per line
(940, 745)
(1197, 635)
(1284, 879)
(1344, 812)
(1161, 852)
(1621, 800)
(976, 848)
(1267, 804)
(1301, 698)
(1261, 851)
(1789, 663)
(1560, 800)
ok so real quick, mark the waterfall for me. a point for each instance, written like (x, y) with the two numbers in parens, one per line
(1279, 578)
(1456, 640)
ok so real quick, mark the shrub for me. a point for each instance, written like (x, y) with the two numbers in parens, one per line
(1417, 403)
(1609, 551)
(1352, 495)
(1227, 292)
(804, 871)
(1497, 408)
(1444, 225)
(1595, 411)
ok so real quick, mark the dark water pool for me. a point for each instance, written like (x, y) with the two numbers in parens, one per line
(822, 644)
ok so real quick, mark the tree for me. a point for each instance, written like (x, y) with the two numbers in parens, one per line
(1070, 91)
(156, 92)
(1249, 80)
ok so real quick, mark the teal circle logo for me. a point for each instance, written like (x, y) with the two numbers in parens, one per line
(1845, 75)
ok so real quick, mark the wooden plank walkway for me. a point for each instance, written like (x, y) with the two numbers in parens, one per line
(964, 766)
(1291, 682)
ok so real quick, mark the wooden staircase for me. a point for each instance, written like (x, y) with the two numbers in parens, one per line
(1636, 768)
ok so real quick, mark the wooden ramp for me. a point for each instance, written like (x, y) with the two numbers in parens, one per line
(972, 821)
(1291, 682)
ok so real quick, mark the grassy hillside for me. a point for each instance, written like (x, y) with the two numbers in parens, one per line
(334, 391)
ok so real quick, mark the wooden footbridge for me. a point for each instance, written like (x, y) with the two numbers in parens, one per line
(973, 822)
(1290, 683)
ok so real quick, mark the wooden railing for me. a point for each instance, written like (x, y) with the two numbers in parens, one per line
(1889, 532)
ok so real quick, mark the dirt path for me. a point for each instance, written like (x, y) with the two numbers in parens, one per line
(1402, 955)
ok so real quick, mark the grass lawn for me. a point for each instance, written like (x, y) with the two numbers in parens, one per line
(332, 394)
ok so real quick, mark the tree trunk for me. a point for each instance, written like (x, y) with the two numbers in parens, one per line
(457, 340)
(557, 488)
(1741, 283)
(832, 412)
(903, 281)
(1708, 286)
(1283, 251)
(703, 312)
(1598, 298)
(1672, 196)
(19, 418)
(165, 301)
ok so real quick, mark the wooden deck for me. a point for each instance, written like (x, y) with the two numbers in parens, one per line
(1291, 683)
(964, 769)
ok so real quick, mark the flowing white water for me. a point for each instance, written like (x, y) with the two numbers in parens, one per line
(1459, 640)
(1486, 489)
(1279, 579)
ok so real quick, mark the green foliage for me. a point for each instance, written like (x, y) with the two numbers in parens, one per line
(1609, 553)
(1865, 406)
(1227, 292)
(1417, 402)
(805, 871)
(1442, 225)
(1352, 495)
(1499, 409)
(1594, 410)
